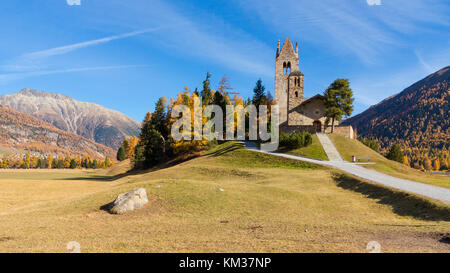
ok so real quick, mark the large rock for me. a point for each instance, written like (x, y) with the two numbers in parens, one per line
(128, 201)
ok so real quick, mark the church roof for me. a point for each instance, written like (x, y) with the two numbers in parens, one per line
(296, 73)
(318, 96)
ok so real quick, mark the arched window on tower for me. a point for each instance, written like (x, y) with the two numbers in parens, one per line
(284, 68)
(288, 68)
(296, 94)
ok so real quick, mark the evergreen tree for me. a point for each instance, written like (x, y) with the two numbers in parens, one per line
(338, 101)
(121, 156)
(159, 118)
(154, 151)
(259, 96)
(206, 92)
(73, 164)
(395, 153)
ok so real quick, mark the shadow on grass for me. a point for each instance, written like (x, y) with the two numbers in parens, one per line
(402, 203)
(226, 149)
(109, 178)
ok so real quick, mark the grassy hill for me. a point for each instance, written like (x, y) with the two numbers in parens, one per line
(349, 147)
(229, 200)
(315, 150)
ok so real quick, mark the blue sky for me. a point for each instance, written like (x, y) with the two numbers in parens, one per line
(126, 54)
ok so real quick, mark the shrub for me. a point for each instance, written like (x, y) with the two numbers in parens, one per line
(395, 154)
(295, 140)
(371, 143)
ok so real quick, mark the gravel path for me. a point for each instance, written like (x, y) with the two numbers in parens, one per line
(434, 192)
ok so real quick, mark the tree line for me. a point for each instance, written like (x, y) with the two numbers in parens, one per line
(29, 161)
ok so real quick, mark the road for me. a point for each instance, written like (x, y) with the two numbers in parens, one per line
(434, 192)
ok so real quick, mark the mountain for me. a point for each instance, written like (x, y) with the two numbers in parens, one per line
(21, 131)
(418, 117)
(86, 119)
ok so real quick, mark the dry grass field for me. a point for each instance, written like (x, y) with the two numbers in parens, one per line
(228, 200)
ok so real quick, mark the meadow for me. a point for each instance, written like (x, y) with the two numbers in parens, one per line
(226, 200)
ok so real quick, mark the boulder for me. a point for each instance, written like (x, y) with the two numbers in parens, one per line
(129, 201)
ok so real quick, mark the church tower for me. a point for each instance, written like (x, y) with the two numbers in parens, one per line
(288, 80)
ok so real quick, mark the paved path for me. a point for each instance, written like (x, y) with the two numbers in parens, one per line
(330, 149)
(434, 192)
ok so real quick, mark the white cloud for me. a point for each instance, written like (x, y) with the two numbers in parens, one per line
(373, 2)
(73, 2)
(8, 77)
(68, 48)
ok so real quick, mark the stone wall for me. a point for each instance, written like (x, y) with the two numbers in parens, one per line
(346, 131)
(299, 128)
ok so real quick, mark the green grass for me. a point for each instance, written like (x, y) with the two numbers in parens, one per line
(229, 200)
(314, 151)
(349, 147)
(233, 154)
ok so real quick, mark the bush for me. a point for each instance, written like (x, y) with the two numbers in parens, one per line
(295, 140)
(372, 144)
(395, 154)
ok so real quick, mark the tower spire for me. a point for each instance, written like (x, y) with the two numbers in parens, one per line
(296, 48)
(278, 48)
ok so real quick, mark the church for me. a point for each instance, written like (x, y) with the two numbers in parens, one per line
(297, 113)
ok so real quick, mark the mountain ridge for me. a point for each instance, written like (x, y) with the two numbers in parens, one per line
(90, 120)
(25, 132)
(417, 118)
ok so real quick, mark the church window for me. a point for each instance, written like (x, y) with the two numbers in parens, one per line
(296, 94)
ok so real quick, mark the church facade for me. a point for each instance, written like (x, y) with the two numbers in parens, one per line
(297, 113)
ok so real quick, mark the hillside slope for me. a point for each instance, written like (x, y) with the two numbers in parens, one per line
(416, 117)
(25, 132)
(231, 200)
(86, 119)
(351, 147)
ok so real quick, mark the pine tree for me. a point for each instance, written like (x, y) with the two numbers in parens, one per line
(338, 101)
(121, 156)
(395, 153)
(259, 96)
(206, 92)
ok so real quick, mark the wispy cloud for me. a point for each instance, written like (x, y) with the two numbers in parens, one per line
(349, 26)
(69, 48)
(8, 77)
(424, 64)
(373, 2)
(202, 35)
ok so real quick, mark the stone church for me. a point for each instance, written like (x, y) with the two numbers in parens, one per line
(297, 113)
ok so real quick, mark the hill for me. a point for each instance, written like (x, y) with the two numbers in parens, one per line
(417, 118)
(20, 131)
(231, 200)
(89, 120)
(350, 147)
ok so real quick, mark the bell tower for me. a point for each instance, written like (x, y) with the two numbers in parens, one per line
(286, 61)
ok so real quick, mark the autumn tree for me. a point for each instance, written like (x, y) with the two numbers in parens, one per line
(436, 165)
(338, 99)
